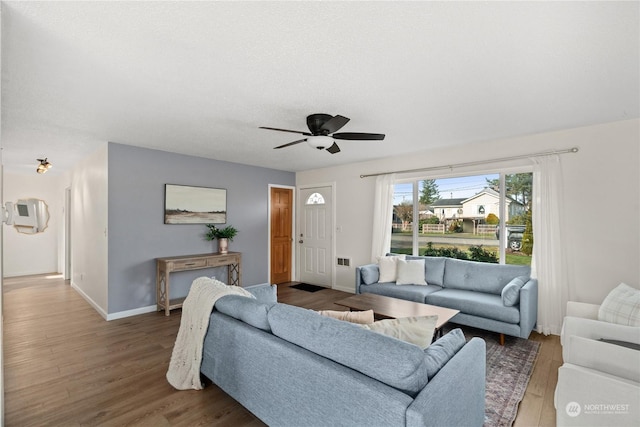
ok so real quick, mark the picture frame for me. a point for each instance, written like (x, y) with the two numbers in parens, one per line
(185, 204)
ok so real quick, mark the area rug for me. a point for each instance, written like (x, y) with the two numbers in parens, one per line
(509, 369)
(307, 287)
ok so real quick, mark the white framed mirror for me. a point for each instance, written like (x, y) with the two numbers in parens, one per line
(31, 216)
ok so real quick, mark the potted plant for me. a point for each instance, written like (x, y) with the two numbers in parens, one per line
(224, 235)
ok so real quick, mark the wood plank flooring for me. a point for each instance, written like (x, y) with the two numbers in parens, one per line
(66, 366)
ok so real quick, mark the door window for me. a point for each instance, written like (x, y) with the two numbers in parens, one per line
(315, 199)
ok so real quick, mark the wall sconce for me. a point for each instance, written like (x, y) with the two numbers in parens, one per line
(43, 166)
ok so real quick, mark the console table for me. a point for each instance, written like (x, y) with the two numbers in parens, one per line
(167, 265)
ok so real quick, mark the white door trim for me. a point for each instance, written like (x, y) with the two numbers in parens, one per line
(332, 255)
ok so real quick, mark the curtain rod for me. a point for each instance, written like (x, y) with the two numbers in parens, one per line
(478, 162)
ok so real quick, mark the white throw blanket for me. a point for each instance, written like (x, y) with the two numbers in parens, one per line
(184, 368)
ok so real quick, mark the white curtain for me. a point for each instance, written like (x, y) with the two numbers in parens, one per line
(548, 261)
(382, 216)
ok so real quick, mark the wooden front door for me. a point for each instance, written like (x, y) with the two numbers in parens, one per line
(281, 234)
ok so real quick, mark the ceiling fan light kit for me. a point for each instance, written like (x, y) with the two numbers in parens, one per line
(321, 134)
(320, 142)
(43, 166)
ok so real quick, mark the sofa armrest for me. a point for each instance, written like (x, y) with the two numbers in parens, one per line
(528, 307)
(582, 309)
(264, 292)
(595, 330)
(359, 280)
(612, 359)
(462, 377)
(585, 397)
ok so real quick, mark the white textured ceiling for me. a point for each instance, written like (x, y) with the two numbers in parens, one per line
(199, 77)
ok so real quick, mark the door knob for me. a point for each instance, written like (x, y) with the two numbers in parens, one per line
(300, 241)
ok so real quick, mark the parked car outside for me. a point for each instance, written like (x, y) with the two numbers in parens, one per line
(514, 236)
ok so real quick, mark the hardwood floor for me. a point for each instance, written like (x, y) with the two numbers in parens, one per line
(66, 366)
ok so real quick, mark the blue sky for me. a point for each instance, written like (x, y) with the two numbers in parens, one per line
(464, 186)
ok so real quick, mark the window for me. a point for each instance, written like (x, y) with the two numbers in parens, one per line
(315, 199)
(402, 222)
(461, 217)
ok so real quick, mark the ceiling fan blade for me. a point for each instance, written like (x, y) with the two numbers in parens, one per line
(334, 124)
(359, 136)
(286, 130)
(290, 144)
(334, 149)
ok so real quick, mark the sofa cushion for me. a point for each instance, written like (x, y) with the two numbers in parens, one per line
(511, 293)
(621, 306)
(434, 268)
(410, 272)
(481, 276)
(416, 330)
(249, 310)
(475, 303)
(441, 351)
(416, 293)
(393, 362)
(388, 267)
(369, 274)
(360, 317)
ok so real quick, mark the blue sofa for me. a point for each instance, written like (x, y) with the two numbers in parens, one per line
(290, 366)
(494, 297)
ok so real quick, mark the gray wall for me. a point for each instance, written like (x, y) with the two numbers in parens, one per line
(138, 235)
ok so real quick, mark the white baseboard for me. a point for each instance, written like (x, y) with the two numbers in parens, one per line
(113, 316)
(27, 273)
(134, 312)
(91, 302)
(350, 289)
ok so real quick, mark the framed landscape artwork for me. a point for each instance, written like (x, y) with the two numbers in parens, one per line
(194, 205)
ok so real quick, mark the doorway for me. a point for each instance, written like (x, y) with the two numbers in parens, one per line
(67, 234)
(281, 234)
(316, 235)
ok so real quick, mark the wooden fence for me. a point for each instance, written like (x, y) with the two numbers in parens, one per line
(440, 228)
(433, 228)
(486, 229)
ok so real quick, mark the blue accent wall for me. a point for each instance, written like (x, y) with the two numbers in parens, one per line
(137, 233)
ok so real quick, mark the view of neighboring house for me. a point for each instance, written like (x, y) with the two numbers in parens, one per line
(474, 210)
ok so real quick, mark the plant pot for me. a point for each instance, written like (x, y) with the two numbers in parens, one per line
(223, 245)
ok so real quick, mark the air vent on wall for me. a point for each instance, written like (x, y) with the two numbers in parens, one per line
(344, 261)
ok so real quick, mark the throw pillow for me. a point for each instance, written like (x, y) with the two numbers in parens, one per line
(370, 274)
(411, 272)
(441, 351)
(388, 268)
(361, 317)
(621, 306)
(511, 292)
(414, 330)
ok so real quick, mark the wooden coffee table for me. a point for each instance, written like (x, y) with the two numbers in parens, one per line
(393, 308)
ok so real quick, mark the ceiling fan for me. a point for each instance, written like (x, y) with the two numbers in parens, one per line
(321, 133)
